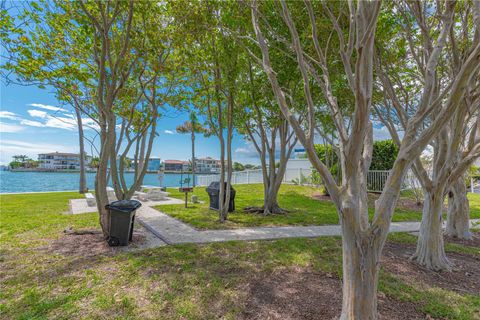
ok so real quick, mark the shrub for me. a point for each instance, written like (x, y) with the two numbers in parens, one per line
(384, 154)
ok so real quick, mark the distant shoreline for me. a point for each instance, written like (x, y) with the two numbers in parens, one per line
(91, 171)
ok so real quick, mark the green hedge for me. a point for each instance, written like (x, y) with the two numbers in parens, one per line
(384, 154)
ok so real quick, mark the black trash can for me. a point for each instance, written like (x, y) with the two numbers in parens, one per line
(213, 191)
(122, 218)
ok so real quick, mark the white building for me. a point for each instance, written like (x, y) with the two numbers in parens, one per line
(61, 161)
(207, 165)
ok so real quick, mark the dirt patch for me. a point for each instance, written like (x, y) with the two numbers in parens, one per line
(300, 294)
(89, 245)
(465, 277)
(475, 242)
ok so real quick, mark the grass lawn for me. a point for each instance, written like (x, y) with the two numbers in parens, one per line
(39, 281)
(303, 209)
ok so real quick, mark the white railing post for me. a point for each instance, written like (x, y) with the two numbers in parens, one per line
(472, 188)
(300, 176)
(248, 176)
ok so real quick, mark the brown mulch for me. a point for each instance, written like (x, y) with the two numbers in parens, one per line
(87, 245)
(475, 242)
(464, 278)
(300, 294)
(303, 294)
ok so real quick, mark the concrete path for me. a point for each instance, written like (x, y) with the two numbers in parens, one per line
(173, 231)
(78, 206)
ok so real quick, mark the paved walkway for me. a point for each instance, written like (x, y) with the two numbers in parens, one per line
(78, 206)
(173, 231)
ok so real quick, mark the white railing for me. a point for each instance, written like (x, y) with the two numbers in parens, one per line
(375, 178)
(296, 176)
(475, 184)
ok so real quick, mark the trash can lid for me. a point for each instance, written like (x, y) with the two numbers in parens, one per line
(124, 205)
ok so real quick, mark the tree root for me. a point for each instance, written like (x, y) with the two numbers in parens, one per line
(70, 230)
(432, 263)
(261, 210)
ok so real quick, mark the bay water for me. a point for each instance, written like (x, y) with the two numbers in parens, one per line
(11, 182)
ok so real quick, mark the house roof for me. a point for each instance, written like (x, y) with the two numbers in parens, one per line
(60, 154)
(175, 161)
(207, 158)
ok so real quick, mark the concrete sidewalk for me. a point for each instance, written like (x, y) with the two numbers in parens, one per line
(78, 206)
(173, 231)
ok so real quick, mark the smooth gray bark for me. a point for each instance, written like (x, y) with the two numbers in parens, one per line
(363, 240)
(361, 264)
(81, 144)
(430, 250)
(193, 154)
(458, 214)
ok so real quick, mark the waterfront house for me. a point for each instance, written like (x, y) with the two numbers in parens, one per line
(154, 164)
(61, 161)
(207, 165)
(176, 165)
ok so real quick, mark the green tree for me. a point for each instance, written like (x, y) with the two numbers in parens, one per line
(192, 127)
(213, 64)
(237, 166)
(15, 164)
(113, 58)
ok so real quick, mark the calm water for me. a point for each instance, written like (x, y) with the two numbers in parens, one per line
(60, 181)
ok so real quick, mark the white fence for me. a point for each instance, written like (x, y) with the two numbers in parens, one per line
(296, 176)
(375, 178)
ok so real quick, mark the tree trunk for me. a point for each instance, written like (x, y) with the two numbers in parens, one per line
(222, 213)
(101, 181)
(141, 158)
(83, 179)
(193, 156)
(430, 247)
(458, 216)
(271, 203)
(361, 262)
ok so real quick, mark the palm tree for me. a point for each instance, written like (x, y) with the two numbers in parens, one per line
(20, 158)
(192, 127)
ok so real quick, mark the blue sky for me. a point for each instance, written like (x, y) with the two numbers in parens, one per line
(32, 121)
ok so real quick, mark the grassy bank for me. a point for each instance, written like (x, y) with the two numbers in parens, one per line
(298, 200)
(48, 275)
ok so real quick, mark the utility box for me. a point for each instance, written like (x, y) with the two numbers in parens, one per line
(213, 191)
(121, 223)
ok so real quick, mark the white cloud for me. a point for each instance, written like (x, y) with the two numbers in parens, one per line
(169, 132)
(9, 128)
(8, 115)
(31, 123)
(382, 133)
(63, 121)
(242, 150)
(46, 107)
(12, 147)
(37, 113)
(247, 151)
